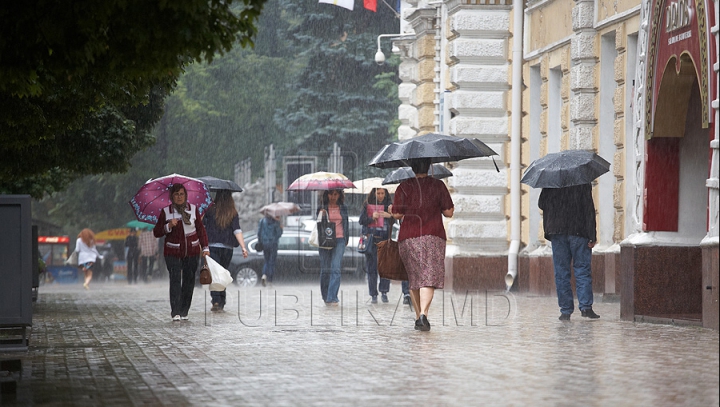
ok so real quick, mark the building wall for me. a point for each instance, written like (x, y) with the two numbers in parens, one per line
(583, 80)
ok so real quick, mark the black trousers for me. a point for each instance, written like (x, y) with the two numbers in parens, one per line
(182, 282)
(132, 266)
(146, 267)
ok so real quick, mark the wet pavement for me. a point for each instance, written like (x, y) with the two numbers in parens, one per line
(115, 345)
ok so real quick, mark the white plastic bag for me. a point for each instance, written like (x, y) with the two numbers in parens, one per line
(72, 260)
(221, 278)
(314, 241)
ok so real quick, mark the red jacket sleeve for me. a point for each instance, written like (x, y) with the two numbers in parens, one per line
(159, 229)
(200, 228)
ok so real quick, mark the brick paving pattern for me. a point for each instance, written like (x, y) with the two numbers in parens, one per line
(115, 345)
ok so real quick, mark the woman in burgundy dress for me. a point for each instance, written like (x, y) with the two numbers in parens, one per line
(422, 202)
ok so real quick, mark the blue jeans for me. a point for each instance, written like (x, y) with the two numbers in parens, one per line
(330, 263)
(372, 272)
(223, 256)
(270, 254)
(569, 249)
(182, 282)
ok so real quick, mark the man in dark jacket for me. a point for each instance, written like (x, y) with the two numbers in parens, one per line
(132, 256)
(569, 223)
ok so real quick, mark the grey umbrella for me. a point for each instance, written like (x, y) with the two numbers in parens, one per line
(565, 169)
(216, 184)
(437, 147)
(401, 174)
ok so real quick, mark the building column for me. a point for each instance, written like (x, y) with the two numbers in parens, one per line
(710, 243)
(479, 89)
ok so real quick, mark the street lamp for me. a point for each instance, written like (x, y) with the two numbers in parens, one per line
(379, 56)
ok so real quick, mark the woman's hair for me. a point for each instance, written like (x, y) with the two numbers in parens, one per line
(420, 165)
(326, 199)
(87, 236)
(224, 208)
(176, 187)
(373, 198)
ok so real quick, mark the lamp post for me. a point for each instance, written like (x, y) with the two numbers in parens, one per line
(379, 56)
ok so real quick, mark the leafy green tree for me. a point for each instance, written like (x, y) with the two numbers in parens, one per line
(79, 79)
(336, 97)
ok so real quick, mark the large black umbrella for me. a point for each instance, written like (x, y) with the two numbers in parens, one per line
(216, 184)
(437, 147)
(565, 169)
(401, 174)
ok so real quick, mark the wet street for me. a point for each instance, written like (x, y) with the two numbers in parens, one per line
(115, 345)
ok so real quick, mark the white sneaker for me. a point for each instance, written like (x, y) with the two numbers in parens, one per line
(185, 318)
(176, 318)
(263, 280)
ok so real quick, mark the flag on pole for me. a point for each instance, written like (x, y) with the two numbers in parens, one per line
(370, 5)
(348, 4)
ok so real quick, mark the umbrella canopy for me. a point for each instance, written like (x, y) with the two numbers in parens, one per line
(216, 184)
(437, 147)
(152, 197)
(364, 186)
(401, 174)
(565, 169)
(276, 209)
(321, 181)
(139, 225)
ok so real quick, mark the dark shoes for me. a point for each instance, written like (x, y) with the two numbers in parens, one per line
(564, 317)
(374, 299)
(384, 297)
(422, 323)
(406, 300)
(589, 313)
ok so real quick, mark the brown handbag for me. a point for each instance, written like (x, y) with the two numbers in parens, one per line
(205, 276)
(390, 264)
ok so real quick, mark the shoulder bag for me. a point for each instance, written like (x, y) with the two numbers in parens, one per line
(365, 242)
(390, 265)
(326, 233)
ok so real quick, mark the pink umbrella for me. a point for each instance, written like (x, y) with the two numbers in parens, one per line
(152, 197)
(280, 209)
(321, 181)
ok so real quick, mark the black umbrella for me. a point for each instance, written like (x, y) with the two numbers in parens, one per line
(565, 169)
(437, 147)
(401, 174)
(216, 184)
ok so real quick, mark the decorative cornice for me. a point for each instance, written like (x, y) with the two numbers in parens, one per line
(422, 21)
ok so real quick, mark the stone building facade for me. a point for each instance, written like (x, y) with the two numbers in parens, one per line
(586, 70)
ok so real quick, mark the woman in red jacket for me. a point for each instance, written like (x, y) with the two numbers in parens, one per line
(185, 240)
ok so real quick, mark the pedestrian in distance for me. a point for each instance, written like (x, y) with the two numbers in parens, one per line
(87, 254)
(185, 240)
(132, 255)
(569, 223)
(222, 224)
(376, 220)
(333, 207)
(422, 202)
(269, 231)
(148, 254)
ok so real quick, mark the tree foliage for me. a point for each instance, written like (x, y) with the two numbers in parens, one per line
(222, 111)
(82, 81)
(336, 97)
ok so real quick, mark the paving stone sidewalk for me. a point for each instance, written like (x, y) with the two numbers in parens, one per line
(115, 345)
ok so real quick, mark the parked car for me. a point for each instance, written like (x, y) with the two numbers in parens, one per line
(296, 260)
